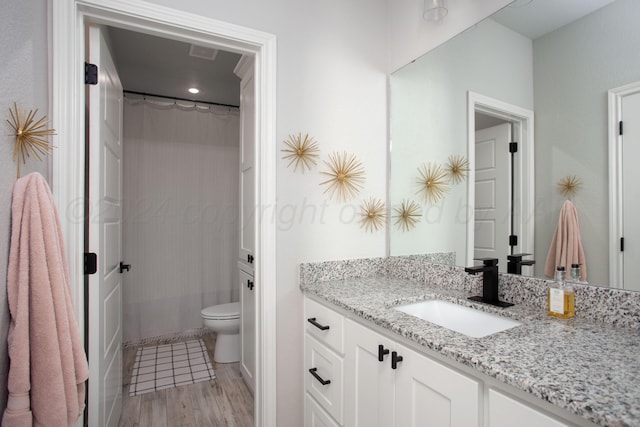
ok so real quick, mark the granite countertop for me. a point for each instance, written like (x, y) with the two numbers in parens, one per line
(587, 367)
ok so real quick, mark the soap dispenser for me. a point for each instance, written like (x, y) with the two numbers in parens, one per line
(561, 297)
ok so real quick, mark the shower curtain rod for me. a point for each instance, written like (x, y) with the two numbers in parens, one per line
(180, 99)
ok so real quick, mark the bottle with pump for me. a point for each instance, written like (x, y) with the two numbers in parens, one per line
(561, 297)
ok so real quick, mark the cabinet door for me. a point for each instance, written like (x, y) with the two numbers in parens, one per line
(431, 394)
(368, 382)
(248, 204)
(247, 329)
(504, 411)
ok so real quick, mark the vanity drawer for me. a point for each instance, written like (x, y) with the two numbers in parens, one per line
(323, 377)
(325, 325)
(314, 415)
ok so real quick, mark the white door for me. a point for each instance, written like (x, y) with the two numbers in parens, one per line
(248, 329)
(430, 394)
(630, 200)
(105, 228)
(368, 381)
(492, 203)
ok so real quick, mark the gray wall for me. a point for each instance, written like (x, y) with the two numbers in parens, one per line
(23, 79)
(428, 124)
(574, 67)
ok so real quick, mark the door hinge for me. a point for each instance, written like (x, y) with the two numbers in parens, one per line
(513, 147)
(513, 240)
(90, 74)
(90, 263)
(620, 127)
(622, 244)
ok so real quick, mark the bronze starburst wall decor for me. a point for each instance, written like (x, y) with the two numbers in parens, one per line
(301, 151)
(408, 215)
(29, 134)
(433, 182)
(346, 176)
(372, 215)
(569, 186)
(457, 168)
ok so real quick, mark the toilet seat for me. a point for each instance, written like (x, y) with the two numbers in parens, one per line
(222, 311)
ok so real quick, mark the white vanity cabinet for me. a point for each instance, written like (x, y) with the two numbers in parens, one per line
(388, 384)
(503, 410)
(324, 365)
(357, 386)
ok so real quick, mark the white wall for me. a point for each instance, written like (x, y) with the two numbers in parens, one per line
(23, 79)
(574, 67)
(429, 124)
(410, 35)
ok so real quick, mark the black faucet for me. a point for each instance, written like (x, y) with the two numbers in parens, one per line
(489, 270)
(514, 266)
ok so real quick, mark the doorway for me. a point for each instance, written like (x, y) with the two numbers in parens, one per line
(69, 21)
(517, 125)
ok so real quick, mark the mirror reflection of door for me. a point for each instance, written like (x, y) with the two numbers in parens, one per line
(630, 180)
(492, 190)
(624, 175)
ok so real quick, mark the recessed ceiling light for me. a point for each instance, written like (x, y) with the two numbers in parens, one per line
(193, 90)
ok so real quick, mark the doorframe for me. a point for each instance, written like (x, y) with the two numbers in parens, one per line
(525, 181)
(68, 19)
(616, 221)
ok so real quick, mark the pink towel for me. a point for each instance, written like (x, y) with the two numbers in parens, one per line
(566, 245)
(48, 366)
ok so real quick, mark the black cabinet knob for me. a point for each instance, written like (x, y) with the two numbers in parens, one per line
(395, 359)
(124, 267)
(382, 352)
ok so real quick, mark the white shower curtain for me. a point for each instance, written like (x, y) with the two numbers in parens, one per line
(180, 230)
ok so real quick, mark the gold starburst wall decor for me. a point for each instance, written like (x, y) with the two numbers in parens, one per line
(346, 176)
(433, 182)
(372, 215)
(302, 151)
(569, 185)
(457, 168)
(29, 134)
(407, 216)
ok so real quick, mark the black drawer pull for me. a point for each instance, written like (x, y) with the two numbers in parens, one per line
(318, 377)
(312, 320)
(382, 352)
(395, 359)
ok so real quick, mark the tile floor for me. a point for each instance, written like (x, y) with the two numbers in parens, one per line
(170, 365)
(224, 401)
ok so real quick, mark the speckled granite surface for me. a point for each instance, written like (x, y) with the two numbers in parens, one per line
(589, 365)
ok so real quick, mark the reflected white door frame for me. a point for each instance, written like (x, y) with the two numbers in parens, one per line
(617, 172)
(524, 214)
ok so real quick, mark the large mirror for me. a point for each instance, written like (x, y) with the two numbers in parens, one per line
(540, 72)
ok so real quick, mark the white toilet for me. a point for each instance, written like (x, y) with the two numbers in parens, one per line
(225, 320)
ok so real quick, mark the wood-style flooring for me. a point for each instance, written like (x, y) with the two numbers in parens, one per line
(223, 401)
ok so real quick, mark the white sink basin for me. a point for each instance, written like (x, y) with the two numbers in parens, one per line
(466, 320)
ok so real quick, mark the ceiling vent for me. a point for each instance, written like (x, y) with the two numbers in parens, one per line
(203, 52)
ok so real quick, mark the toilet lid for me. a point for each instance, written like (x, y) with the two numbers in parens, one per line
(222, 311)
